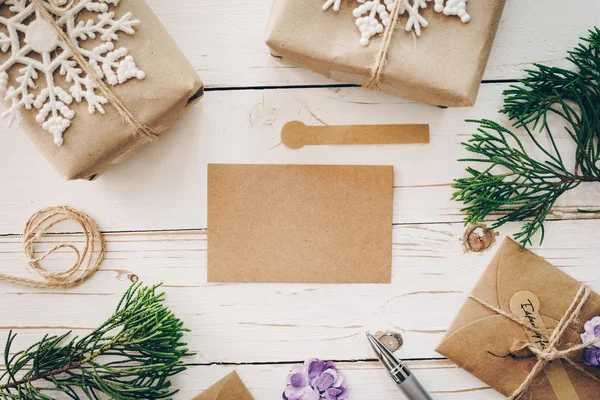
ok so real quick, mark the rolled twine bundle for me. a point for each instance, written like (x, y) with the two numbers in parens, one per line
(88, 260)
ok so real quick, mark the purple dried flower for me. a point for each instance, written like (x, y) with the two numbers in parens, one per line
(591, 356)
(315, 380)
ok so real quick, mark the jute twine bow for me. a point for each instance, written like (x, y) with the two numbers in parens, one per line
(552, 352)
(88, 260)
(142, 130)
(377, 69)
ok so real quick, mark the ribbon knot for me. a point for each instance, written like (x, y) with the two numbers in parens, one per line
(56, 8)
(548, 355)
(552, 355)
(551, 352)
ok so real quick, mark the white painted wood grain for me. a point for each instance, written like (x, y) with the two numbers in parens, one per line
(367, 380)
(163, 187)
(244, 127)
(285, 322)
(224, 40)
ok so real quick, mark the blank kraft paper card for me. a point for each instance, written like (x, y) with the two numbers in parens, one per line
(300, 223)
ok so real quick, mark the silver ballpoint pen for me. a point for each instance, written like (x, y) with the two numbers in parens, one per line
(399, 372)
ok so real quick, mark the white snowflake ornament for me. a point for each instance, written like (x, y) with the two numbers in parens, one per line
(368, 16)
(372, 16)
(415, 19)
(453, 7)
(335, 3)
(43, 54)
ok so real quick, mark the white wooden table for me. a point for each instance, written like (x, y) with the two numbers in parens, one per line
(153, 210)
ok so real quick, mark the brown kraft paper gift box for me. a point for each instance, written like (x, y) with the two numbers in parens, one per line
(95, 142)
(230, 387)
(442, 67)
(477, 331)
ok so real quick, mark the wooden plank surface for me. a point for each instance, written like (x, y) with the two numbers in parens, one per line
(431, 277)
(235, 324)
(244, 127)
(156, 217)
(368, 379)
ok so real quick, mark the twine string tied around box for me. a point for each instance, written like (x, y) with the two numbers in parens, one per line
(377, 69)
(88, 260)
(551, 353)
(45, 9)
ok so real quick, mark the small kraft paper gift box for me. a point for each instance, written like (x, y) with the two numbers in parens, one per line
(520, 330)
(91, 80)
(229, 388)
(440, 61)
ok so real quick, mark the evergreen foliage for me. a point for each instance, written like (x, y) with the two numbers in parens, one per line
(132, 355)
(516, 184)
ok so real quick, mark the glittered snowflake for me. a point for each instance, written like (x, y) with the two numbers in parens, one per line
(38, 70)
(372, 16)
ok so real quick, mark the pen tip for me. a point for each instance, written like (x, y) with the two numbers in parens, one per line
(372, 340)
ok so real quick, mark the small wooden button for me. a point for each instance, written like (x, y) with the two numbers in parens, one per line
(392, 340)
(478, 238)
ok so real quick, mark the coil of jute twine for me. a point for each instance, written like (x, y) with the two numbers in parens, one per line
(551, 352)
(88, 260)
(45, 9)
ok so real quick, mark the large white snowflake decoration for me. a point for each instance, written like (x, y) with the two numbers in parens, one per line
(372, 16)
(40, 53)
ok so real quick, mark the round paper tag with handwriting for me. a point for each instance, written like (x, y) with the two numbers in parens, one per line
(526, 306)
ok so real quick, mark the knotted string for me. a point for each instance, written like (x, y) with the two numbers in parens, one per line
(551, 352)
(57, 9)
(377, 69)
(88, 260)
(42, 6)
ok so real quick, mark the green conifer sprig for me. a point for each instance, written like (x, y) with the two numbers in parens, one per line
(518, 185)
(132, 355)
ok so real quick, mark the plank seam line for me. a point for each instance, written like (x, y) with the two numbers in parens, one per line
(322, 86)
(205, 230)
(263, 363)
(249, 363)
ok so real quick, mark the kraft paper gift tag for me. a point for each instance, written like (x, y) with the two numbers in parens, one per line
(296, 134)
(229, 388)
(477, 331)
(300, 223)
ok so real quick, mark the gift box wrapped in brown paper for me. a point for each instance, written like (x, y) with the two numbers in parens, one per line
(443, 67)
(229, 388)
(489, 345)
(125, 46)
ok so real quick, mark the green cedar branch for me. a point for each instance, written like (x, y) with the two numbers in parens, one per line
(132, 355)
(518, 185)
